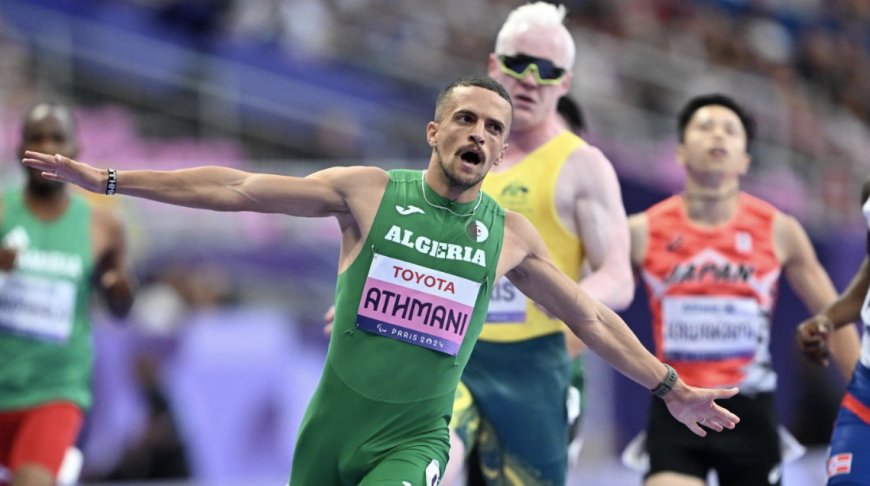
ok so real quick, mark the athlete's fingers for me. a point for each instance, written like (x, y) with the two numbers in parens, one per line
(712, 424)
(39, 156)
(724, 393)
(327, 328)
(38, 164)
(696, 429)
(725, 418)
(816, 350)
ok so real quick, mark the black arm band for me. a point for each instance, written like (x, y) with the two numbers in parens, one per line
(667, 384)
(112, 182)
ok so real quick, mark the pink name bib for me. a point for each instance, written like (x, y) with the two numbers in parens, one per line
(417, 305)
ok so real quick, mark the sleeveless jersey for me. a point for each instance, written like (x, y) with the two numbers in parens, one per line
(529, 189)
(44, 330)
(412, 304)
(712, 292)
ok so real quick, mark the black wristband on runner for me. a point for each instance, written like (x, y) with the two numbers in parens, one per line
(667, 384)
(112, 183)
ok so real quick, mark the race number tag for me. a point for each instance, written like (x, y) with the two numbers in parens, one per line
(711, 328)
(507, 304)
(417, 305)
(36, 306)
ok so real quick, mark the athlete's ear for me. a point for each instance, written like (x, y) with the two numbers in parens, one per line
(500, 155)
(431, 131)
(681, 155)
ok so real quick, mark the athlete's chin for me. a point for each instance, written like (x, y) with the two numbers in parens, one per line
(523, 120)
(466, 181)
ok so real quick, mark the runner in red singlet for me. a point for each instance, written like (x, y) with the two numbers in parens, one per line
(711, 258)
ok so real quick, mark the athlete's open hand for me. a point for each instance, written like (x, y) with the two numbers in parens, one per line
(812, 337)
(64, 169)
(695, 407)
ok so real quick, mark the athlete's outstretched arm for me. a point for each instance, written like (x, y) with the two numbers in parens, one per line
(527, 265)
(807, 277)
(323, 193)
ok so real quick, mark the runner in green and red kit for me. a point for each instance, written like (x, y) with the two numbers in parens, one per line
(419, 254)
(54, 248)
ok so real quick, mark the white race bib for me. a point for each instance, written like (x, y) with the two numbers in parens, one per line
(711, 328)
(37, 306)
(507, 304)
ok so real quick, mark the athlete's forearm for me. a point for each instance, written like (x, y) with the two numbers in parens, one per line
(845, 347)
(846, 308)
(214, 188)
(612, 339)
(613, 287)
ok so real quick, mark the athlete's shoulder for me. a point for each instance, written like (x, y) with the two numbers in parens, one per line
(669, 205)
(585, 153)
(488, 203)
(4, 197)
(354, 179)
(758, 206)
(519, 227)
(589, 170)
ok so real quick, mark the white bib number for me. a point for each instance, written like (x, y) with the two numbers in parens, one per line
(37, 306)
(711, 328)
(507, 303)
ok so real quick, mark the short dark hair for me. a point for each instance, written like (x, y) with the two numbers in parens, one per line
(571, 111)
(62, 110)
(475, 80)
(698, 102)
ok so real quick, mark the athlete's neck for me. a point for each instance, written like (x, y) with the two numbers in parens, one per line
(525, 140)
(46, 203)
(711, 206)
(439, 184)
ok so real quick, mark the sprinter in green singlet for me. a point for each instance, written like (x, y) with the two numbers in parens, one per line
(419, 254)
(54, 247)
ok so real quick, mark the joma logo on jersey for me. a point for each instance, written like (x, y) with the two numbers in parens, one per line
(436, 249)
(715, 272)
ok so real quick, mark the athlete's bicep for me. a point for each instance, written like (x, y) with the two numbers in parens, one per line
(324, 193)
(600, 215)
(532, 270)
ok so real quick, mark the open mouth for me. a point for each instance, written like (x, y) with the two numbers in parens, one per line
(471, 155)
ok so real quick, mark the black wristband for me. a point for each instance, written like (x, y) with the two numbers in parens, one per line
(667, 384)
(112, 182)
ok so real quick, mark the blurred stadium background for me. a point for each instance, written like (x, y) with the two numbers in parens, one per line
(207, 381)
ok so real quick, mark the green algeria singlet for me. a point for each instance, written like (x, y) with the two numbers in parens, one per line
(408, 312)
(45, 340)
(411, 306)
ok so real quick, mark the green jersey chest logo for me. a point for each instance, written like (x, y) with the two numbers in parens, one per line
(477, 231)
(46, 262)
